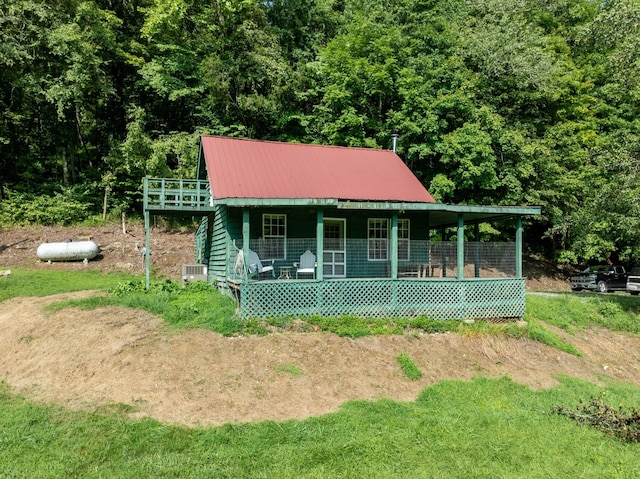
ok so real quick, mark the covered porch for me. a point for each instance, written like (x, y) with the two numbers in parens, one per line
(401, 273)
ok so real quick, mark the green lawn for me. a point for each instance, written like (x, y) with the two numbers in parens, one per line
(455, 429)
(38, 282)
(479, 429)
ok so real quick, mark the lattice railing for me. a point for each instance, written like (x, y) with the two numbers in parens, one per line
(385, 298)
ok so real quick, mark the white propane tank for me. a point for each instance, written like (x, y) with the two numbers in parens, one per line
(68, 251)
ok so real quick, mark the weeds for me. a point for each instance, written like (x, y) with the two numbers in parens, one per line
(292, 369)
(621, 423)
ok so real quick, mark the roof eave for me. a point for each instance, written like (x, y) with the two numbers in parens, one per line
(485, 211)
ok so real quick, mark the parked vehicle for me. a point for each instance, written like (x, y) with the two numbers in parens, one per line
(602, 278)
(633, 281)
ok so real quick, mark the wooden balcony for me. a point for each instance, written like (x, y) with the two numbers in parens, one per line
(170, 196)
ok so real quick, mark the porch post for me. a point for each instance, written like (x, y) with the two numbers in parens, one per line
(319, 243)
(394, 245)
(429, 266)
(460, 248)
(476, 261)
(147, 246)
(444, 251)
(519, 247)
(245, 234)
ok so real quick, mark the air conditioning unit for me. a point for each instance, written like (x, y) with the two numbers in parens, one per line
(194, 272)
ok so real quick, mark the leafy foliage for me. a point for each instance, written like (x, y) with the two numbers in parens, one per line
(495, 102)
(64, 208)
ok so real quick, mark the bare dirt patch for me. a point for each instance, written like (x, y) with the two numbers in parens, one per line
(89, 359)
(121, 248)
(196, 377)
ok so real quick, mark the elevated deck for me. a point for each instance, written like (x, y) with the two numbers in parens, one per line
(177, 197)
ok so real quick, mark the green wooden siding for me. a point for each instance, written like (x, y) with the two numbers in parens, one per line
(302, 223)
(223, 231)
(202, 246)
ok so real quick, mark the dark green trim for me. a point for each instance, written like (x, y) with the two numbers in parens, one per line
(245, 234)
(394, 245)
(147, 248)
(519, 247)
(460, 245)
(320, 244)
(382, 205)
(476, 256)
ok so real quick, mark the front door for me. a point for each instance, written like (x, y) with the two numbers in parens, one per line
(334, 263)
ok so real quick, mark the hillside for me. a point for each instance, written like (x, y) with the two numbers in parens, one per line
(110, 356)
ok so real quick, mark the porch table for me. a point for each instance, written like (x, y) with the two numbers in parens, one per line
(285, 272)
(415, 270)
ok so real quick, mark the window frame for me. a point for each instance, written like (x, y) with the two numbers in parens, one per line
(267, 233)
(406, 239)
(374, 243)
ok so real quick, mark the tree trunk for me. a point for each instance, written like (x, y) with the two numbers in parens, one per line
(104, 203)
(65, 169)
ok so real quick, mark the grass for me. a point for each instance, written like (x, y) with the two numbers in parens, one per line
(27, 282)
(292, 369)
(455, 429)
(199, 305)
(574, 312)
(482, 428)
(409, 367)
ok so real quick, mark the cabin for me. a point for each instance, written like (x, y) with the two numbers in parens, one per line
(302, 229)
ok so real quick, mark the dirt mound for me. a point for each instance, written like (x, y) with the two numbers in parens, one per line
(196, 377)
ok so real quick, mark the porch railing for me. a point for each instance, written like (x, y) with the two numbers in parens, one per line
(352, 259)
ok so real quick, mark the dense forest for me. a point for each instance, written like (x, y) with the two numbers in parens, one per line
(501, 102)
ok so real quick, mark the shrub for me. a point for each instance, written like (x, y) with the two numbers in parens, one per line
(60, 209)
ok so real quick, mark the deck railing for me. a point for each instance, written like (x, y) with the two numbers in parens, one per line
(427, 282)
(162, 194)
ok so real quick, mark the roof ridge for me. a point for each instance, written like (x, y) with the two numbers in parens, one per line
(319, 145)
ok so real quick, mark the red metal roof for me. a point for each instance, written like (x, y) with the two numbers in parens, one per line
(240, 168)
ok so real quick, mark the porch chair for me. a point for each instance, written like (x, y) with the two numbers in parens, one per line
(306, 265)
(256, 267)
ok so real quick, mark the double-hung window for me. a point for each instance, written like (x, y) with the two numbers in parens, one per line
(403, 239)
(378, 239)
(274, 234)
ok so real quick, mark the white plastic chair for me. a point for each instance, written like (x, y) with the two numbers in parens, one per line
(307, 264)
(256, 267)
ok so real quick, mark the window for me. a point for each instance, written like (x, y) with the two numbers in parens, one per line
(274, 234)
(378, 234)
(403, 239)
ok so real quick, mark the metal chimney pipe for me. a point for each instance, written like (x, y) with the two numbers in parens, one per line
(394, 141)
